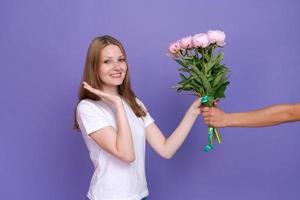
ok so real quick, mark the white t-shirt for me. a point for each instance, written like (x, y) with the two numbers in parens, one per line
(114, 179)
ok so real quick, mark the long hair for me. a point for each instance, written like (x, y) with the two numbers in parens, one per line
(91, 76)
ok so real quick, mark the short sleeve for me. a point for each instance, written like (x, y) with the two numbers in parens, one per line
(89, 117)
(147, 120)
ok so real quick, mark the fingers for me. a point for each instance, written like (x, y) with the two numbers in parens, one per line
(91, 89)
(87, 86)
(205, 109)
(113, 100)
(198, 111)
(207, 114)
(207, 120)
(196, 103)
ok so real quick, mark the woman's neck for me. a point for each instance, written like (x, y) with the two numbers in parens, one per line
(113, 90)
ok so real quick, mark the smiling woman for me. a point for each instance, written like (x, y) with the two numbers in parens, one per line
(113, 68)
(105, 90)
(106, 57)
(115, 125)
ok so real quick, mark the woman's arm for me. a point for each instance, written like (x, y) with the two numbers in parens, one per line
(117, 142)
(267, 116)
(168, 147)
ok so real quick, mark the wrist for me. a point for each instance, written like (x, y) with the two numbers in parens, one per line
(118, 106)
(229, 119)
(192, 113)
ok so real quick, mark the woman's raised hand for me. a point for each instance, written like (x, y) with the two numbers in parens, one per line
(113, 100)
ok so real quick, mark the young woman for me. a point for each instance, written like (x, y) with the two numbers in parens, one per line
(115, 124)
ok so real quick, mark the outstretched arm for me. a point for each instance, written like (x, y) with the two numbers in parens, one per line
(167, 147)
(267, 116)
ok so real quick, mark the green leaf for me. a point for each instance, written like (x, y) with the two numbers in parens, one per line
(219, 57)
(205, 82)
(221, 90)
(206, 57)
(195, 69)
(183, 78)
(187, 58)
(181, 63)
(183, 69)
(218, 79)
(209, 65)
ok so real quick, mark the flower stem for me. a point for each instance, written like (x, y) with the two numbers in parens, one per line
(212, 52)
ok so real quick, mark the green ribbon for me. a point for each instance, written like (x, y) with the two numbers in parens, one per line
(210, 145)
(204, 99)
(212, 132)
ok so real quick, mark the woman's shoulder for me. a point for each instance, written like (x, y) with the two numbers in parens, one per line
(92, 104)
(138, 100)
(87, 104)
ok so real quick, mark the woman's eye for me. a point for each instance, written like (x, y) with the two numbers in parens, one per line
(106, 61)
(122, 60)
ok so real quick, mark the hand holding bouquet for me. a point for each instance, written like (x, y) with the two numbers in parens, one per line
(201, 70)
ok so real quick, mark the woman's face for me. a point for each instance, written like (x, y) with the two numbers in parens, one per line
(113, 66)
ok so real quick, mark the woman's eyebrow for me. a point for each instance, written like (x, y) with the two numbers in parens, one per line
(113, 57)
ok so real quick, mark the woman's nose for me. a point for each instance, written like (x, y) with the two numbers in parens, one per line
(116, 64)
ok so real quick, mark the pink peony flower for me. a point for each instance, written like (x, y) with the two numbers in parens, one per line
(186, 42)
(174, 48)
(200, 40)
(217, 37)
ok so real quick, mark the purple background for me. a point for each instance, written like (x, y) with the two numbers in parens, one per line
(42, 51)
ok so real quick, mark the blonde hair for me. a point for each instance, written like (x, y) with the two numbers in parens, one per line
(91, 76)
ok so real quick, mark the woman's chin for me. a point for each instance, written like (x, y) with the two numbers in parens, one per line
(115, 83)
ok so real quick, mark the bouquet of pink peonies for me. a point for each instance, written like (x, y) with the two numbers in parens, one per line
(201, 70)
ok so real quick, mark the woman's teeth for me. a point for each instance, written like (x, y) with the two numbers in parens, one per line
(115, 75)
